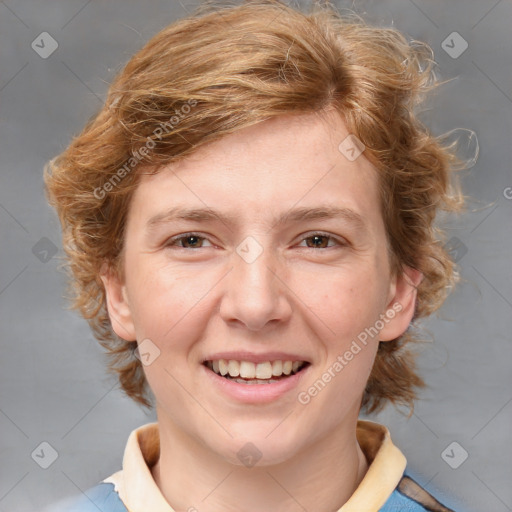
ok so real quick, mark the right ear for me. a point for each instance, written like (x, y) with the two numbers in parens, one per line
(118, 306)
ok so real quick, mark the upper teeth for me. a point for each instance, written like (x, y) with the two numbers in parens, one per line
(249, 370)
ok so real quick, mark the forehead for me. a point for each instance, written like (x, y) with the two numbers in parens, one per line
(259, 172)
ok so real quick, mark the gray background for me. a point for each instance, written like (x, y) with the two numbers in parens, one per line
(54, 387)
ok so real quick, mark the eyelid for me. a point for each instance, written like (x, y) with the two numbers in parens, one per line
(172, 240)
(340, 241)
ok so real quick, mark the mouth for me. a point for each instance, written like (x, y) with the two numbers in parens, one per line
(247, 372)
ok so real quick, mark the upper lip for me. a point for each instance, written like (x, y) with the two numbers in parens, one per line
(255, 358)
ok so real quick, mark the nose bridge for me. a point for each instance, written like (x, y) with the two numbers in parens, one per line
(254, 295)
(252, 267)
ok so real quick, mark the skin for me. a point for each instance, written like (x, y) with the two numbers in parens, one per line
(195, 297)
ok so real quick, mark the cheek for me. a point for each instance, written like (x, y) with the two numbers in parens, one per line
(170, 309)
(349, 300)
(165, 301)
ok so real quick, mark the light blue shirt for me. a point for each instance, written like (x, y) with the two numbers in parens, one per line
(103, 498)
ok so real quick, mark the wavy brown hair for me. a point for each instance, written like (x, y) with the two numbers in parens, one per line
(228, 66)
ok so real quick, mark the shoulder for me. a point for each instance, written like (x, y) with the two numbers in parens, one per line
(409, 496)
(100, 497)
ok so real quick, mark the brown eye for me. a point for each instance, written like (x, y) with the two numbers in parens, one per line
(318, 241)
(187, 241)
(321, 241)
(191, 241)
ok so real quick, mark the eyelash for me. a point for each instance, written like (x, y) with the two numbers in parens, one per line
(173, 240)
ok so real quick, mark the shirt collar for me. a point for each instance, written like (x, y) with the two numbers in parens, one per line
(139, 492)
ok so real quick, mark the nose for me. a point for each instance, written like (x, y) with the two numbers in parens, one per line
(255, 292)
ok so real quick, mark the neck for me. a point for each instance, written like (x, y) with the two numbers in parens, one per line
(321, 477)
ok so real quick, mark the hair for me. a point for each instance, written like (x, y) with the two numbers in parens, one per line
(226, 67)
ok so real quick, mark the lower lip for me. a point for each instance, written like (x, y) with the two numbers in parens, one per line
(255, 393)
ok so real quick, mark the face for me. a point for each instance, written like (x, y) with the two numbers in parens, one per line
(266, 249)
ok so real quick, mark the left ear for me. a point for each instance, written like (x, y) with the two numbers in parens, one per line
(401, 306)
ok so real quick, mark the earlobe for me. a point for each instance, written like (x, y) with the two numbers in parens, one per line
(117, 304)
(401, 307)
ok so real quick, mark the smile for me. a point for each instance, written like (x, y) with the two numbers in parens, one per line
(247, 372)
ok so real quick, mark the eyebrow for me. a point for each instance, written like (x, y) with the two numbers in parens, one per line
(295, 215)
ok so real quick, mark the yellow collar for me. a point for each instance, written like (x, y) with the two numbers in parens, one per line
(139, 492)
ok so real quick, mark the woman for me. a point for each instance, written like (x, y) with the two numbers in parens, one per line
(249, 226)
